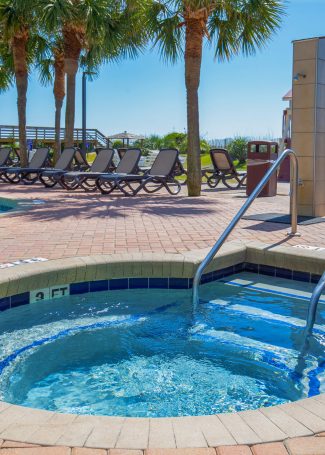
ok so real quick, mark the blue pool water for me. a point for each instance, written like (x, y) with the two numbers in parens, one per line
(143, 352)
(6, 205)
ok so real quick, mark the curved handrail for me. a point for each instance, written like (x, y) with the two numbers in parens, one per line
(319, 289)
(293, 210)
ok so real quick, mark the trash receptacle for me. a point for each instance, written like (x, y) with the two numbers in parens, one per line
(261, 155)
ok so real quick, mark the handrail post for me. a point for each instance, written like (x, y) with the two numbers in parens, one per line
(293, 209)
(294, 182)
(311, 316)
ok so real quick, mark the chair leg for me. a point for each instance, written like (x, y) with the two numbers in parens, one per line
(28, 179)
(87, 186)
(104, 186)
(69, 185)
(122, 185)
(49, 182)
(242, 181)
(14, 180)
(227, 181)
(168, 186)
(161, 183)
(213, 180)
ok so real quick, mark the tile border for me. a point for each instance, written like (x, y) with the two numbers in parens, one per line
(80, 275)
(118, 284)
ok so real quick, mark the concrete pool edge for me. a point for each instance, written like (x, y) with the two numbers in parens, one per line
(29, 277)
(302, 418)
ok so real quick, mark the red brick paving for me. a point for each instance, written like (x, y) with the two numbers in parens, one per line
(275, 448)
(234, 450)
(78, 223)
(296, 446)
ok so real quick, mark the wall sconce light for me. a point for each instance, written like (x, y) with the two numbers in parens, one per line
(298, 76)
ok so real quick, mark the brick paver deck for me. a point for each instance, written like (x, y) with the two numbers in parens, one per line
(78, 223)
(296, 446)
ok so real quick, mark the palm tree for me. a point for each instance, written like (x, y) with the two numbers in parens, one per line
(179, 27)
(59, 94)
(50, 66)
(15, 19)
(99, 29)
(55, 15)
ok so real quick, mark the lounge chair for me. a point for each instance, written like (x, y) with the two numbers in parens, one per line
(86, 179)
(224, 171)
(5, 159)
(30, 173)
(80, 161)
(161, 175)
(121, 153)
(51, 176)
(127, 166)
(180, 171)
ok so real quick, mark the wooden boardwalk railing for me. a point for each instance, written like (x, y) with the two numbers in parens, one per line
(46, 135)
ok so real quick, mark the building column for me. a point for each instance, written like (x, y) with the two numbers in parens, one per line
(308, 123)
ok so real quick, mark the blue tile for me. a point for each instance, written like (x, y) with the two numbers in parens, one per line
(267, 270)
(249, 267)
(190, 283)
(178, 283)
(283, 273)
(315, 278)
(19, 299)
(4, 303)
(158, 283)
(301, 276)
(239, 267)
(96, 286)
(79, 288)
(119, 283)
(228, 271)
(207, 278)
(138, 283)
(217, 275)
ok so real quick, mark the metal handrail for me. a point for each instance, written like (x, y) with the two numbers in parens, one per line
(44, 133)
(311, 317)
(293, 210)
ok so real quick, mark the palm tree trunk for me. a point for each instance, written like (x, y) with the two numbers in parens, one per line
(19, 44)
(193, 58)
(73, 40)
(59, 94)
(71, 68)
(57, 145)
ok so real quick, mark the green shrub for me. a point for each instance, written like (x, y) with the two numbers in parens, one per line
(117, 144)
(238, 149)
(174, 140)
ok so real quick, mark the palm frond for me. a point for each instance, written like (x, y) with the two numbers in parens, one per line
(243, 26)
(163, 24)
(45, 69)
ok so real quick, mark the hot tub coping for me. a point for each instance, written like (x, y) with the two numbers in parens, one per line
(302, 418)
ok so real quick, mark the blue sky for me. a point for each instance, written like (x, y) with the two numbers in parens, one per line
(147, 96)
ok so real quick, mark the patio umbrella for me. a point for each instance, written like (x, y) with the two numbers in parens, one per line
(125, 136)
